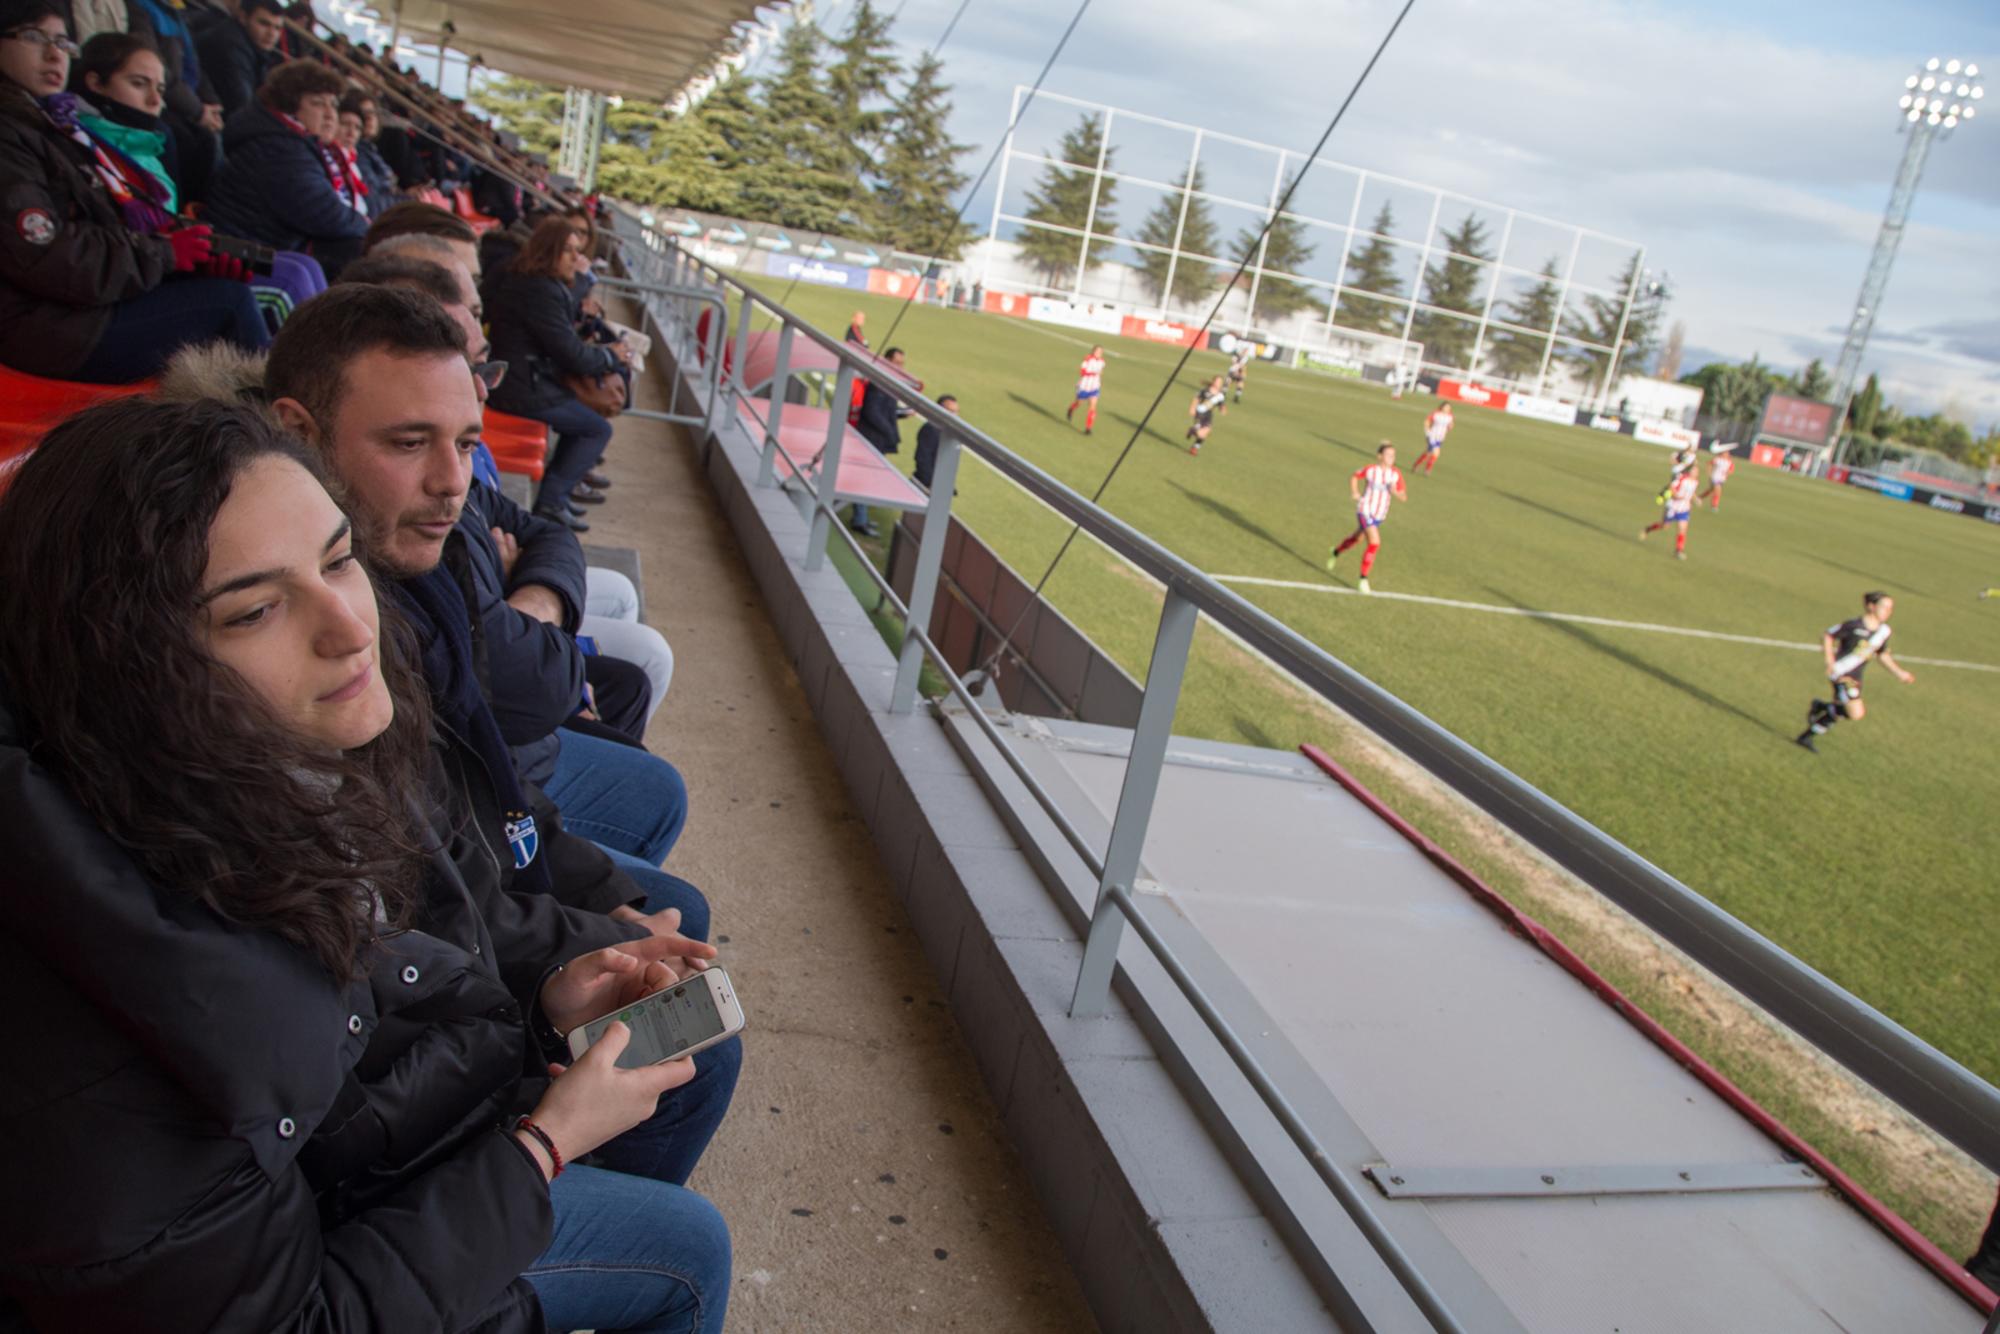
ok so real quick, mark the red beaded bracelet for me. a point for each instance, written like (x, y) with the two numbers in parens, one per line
(541, 1135)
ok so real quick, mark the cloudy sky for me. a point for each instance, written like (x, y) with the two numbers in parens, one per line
(1749, 145)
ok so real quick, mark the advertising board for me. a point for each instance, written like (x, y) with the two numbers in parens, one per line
(1600, 421)
(1887, 486)
(1006, 303)
(1163, 331)
(1466, 392)
(1767, 456)
(888, 282)
(1048, 310)
(1655, 432)
(1330, 363)
(816, 271)
(1802, 420)
(1542, 409)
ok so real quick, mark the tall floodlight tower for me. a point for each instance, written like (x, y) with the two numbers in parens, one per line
(1936, 100)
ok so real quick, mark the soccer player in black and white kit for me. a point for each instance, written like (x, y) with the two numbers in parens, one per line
(1850, 647)
(1239, 368)
(1208, 401)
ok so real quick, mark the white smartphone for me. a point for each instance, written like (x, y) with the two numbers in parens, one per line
(673, 1022)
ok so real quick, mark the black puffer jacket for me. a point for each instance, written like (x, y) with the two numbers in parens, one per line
(533, 326)
(274, 187)
(212, 1135)
(66, 255)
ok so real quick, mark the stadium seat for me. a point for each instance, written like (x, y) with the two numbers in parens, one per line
(519, 444)
(463, 206)
(30, 406)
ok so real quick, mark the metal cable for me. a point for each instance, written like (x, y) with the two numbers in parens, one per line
(1166, 387)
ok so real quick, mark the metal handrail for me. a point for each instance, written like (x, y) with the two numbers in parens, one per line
(1937, 1090)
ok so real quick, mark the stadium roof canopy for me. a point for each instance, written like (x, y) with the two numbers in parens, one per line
(635, 48)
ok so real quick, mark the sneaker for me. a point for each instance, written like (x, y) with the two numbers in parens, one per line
(1332, 559)
(1086, 430)
(1805, 739)
(1643, 532)
(1362, 584)
(1194, 449)
(1680, 555)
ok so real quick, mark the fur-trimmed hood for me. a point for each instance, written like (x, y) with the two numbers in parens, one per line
(220, 371)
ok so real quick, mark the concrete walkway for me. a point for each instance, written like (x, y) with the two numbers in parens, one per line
(863, 1169)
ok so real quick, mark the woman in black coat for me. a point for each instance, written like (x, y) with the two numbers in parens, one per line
(84, 272)
(532, 316)
(280, 1049)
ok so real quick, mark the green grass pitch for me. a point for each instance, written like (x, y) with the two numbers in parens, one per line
(1874, 861)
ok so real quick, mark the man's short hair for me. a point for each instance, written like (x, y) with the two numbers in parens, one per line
(417, 245)
(382, 269)
(310, 355)
(1873, 597)
(249, 7)
(415, 218)
(291, 83)
(357, 102)
(943, 399)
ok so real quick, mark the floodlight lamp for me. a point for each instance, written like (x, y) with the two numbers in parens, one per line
(1910, 82)
(1934, 118)
(1978, 93)
(1916, 116)
(1932, 63)
(1951, 67)
(1963, 89)
(1937, 104)
(1928, 84)
(1967, 115)
(1950, 122)
(1972, 71)
(1904, 101)
(1953, 111)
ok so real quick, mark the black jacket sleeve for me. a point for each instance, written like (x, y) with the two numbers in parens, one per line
(550, 324)
(81, 263)
(877, 423)
(550, 555)
(301, 196)
(229, 62)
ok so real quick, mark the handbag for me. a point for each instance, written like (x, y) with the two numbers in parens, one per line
(602, 394)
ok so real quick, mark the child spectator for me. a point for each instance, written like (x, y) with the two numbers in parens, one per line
(88, 244)
(281, 184)
(238, 51)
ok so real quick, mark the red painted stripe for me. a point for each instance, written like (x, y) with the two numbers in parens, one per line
(1877, 1212)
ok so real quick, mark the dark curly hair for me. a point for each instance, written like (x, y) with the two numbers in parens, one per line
(103, 546)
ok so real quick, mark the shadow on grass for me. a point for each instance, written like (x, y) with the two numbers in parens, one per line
(1873, 580)
(1584, 636)
(1564, 515)
(1036, 406)
(1365, 451)
(1231, 515)
(1128, 424)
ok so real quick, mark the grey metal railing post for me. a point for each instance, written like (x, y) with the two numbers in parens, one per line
(829, 467)
(923, 582)
(1135, 801)
(781, 376)
(742, 341)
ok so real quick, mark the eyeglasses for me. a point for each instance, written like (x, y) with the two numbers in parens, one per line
(490, 374)
(36, 37)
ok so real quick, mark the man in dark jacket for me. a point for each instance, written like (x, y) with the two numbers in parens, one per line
(878, 426)
(929, 438)
(277, 184)
(238, 50)
(376, 379)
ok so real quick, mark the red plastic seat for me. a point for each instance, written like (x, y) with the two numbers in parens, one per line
(30, 406)
(519, 444)
(463, 206)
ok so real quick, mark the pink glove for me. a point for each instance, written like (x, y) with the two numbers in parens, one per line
(225, 266)
(191, 247)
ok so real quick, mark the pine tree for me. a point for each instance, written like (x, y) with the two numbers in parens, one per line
(1516, 354)
(1598, 320)
(1061, 198)
(1285, 251)
(1372, 268)
(1454, 284)
(857, 81)
(796, 173)
(1193, 280)
(1867, 407)
(1813, 381)
(534, 111)
(913, 205)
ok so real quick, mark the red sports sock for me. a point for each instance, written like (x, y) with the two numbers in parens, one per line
(1681, 541)
(1351, 540)
(1090, 417)
(1655, 527)
(1368, 559)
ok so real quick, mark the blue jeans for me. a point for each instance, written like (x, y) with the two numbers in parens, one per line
(665, 891)
(581, 436)
(146, 331)
(633, 1255)
(617, 796)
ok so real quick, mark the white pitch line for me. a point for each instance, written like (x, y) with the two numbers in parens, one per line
(1577, 618)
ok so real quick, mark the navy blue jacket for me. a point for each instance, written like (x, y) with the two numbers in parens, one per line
(274, 187)
(229, 58)
(877, 422)
(534, 670)
(532, 321)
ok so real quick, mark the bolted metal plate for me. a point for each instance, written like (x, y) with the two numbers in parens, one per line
(1400, 1182)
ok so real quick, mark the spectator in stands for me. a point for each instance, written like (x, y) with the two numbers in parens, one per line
(415, 218)
(239, 50)
(530, 309)
(120, 77)
(84, 290)
(527, 575)
(400, 147)
(279, 185)
(289, 1041)
(87, 18)
(929, 438)
(381, 180)
(194, 111)
(496, 196)
(878, 426)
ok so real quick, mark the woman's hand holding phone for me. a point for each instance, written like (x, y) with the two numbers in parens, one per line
(597, 983)
(593, 1100)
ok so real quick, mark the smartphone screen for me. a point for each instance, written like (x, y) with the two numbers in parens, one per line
(664, 1024)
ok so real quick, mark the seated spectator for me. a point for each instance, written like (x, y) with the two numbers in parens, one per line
(239, 50)
(399, 147)
(415, 218)
(530, 309)
(381, 180)
(87, 18)
(289, 1087)
(496, 196)
(194, 111)
(280, 184)
(98, 279)
(120, 77)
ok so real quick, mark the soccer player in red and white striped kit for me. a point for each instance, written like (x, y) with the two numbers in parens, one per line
(1372, 487)
(1089, 384)
(1679, 503)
